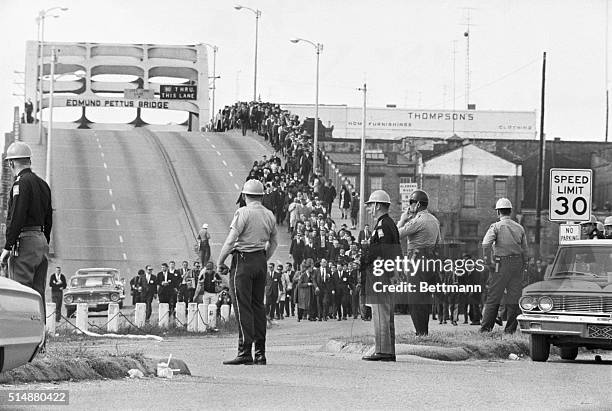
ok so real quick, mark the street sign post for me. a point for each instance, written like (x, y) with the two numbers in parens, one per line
(568, 233)
(570, 194)
(178, 92)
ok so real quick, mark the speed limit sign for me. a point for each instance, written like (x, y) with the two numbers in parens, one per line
(570, 194)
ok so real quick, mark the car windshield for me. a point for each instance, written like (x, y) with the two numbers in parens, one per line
(585, 262)
(91, 281)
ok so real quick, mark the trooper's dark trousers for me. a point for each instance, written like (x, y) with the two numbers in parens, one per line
(507, 278)
(247, 286)
(29, 267)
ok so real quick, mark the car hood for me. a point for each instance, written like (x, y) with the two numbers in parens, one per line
(567, 285)
(90, 289)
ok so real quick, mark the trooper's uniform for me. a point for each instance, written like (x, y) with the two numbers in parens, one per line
(255, 226)
(423, 233)
(507, 238)
(28, 225)
(608, 227)
(383, 245)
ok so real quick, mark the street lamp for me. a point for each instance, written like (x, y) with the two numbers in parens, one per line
(318, 47)
(257, 16)
(214, 76)
(40, 20)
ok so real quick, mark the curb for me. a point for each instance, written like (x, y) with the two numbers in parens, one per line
(44, 369)
(425, 351)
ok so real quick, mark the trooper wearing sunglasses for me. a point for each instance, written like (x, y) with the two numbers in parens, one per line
(423, 232)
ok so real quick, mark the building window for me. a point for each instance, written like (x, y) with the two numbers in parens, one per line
(405, 180)
(376, 183)
(469, 192)
(500, 188)
(468, 228)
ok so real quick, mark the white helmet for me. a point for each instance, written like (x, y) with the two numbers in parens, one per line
(503, 203)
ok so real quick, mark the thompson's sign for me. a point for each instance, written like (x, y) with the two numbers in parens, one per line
(570, 194)
(178, 92)
(397, 122)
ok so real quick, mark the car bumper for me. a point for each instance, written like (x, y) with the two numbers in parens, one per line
(98, 305)
(566, 325)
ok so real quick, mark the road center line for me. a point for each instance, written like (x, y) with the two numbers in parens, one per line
(108, 178)
(117, 222)
(120, 239)
(230, 174)
(114, 208)
(218, 153)
(213, 146)
(110, 191)
(224, 163)
(237, 187)
(124, 256)
(105, 166)
(102, 154)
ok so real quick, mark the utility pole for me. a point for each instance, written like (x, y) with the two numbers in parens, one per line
(541, 165)
(362, 163)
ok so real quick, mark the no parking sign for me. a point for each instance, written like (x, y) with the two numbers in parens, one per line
(570, 194)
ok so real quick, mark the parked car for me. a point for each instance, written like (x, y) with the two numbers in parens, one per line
(97, 290)
(112, 271)
(22, 324)
(572, 306)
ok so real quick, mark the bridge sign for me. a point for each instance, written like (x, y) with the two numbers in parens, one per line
(570, 194)
(138, 94)
(178, 92)
(568, 233)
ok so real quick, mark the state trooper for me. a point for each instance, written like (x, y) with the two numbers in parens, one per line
(608, 227)
(589, 230)
(28, 222)
(383, 244)
(510, 255)
(423, 232)
(252, 240)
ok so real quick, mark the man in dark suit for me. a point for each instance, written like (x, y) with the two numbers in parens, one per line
(297, 250)
(167, 287)
(274, 285)
(147, 287)
(364, 234)
(344, 291)
(325, 288)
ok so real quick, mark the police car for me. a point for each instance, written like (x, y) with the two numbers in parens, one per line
(572, 306)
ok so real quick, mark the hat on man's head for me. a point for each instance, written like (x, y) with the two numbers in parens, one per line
(204, 225)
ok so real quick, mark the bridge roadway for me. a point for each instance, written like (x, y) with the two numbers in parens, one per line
(117, 205)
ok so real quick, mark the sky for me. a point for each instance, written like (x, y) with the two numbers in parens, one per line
(411, 53)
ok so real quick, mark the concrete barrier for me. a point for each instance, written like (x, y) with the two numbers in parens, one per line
(192, 320)
(225, 312)
(50, 320)
(140, 314)
(82, 316)
(164, 315)
(202, 318)
(179, 313)
(113, 318)
(212, 315)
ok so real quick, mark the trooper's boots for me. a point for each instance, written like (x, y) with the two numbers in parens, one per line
(260, 353)
(244, 356)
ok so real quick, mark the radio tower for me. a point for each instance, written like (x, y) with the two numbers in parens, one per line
(466, 34)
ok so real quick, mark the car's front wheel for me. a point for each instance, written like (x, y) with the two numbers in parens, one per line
(569, 353)
(539, 347)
